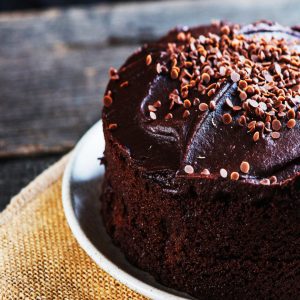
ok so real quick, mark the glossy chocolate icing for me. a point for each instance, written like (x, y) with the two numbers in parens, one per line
(202, 140)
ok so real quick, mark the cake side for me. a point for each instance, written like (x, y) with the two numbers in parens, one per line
(214, 239)
(202, 182)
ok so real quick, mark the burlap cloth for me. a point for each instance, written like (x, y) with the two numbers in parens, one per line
(39, 257)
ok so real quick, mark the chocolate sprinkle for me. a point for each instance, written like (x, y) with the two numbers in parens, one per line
(227, 119)
(107, 100)
(112, 126)
(148, 59)
(234, 176)
(152, 115)
(203, 107)
(205, 172)
(188, 169)
(256, 136)
(245, 167)
(223, 173)
(291, 123)
(266, 72)
(265, 181)
(186, 114)
(273, 179)
(168, 116)
(276, 125)
(113, 74)
(124, 84)
(275, 135)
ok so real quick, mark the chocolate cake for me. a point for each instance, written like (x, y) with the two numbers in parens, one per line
(202, 182)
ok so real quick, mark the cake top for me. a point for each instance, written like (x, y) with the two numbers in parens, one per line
(212, 101)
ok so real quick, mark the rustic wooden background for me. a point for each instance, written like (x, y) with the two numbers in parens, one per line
(53, 69)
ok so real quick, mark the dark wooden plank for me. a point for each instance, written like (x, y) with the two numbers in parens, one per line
(51, 97)
(10, 5)
(68, 26)
(134, 21)
(16, 173)
(151, 19)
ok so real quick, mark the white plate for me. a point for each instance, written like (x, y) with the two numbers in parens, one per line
(81, 190)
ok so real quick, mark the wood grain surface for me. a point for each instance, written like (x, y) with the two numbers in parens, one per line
(53, 69)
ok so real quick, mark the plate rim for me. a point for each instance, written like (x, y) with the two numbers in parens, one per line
(84, 242)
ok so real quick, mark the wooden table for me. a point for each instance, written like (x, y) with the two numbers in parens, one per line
(53, 69)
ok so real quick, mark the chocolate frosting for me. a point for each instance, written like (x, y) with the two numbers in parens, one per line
(202, 140)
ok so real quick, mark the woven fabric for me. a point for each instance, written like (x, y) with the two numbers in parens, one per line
(39, 257)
